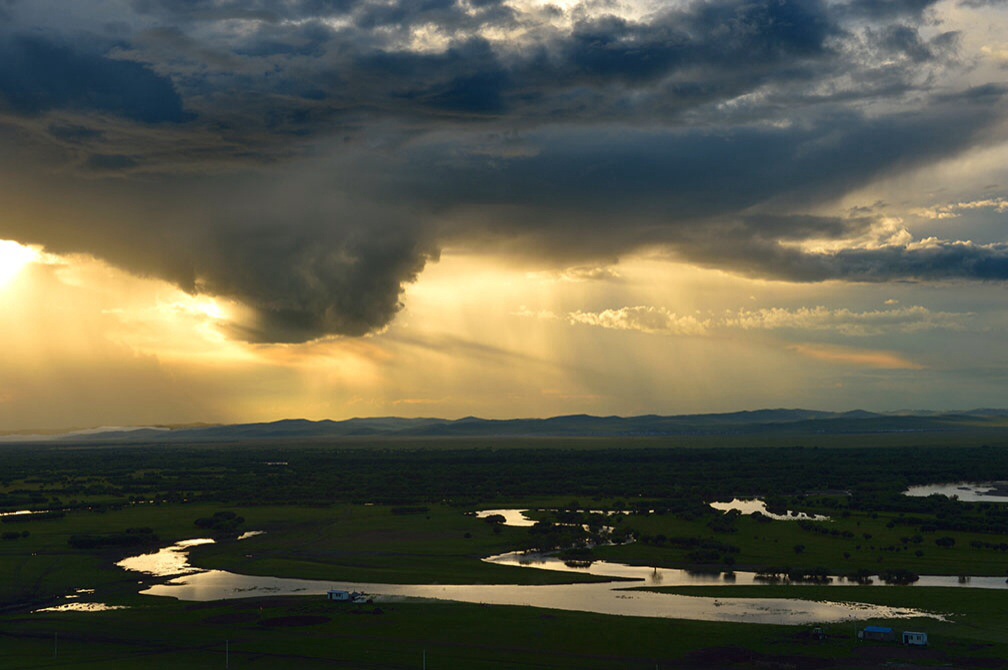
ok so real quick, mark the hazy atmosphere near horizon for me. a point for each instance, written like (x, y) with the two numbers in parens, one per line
(232, 211)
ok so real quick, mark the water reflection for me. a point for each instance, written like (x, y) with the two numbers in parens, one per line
(676, 577)
(965, 491)
(512, 517)
(756, 505)
(601, 598)
(166, 562)
(81, 607)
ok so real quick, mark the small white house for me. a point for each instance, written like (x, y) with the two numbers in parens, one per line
(914, 639)
(342, 596)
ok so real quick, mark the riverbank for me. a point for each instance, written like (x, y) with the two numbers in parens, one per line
(311, 632)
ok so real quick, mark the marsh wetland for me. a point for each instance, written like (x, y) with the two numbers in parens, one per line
(588, 553)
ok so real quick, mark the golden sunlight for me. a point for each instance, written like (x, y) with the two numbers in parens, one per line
(13, 258)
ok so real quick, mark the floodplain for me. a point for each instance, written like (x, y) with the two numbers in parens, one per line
(404, 512)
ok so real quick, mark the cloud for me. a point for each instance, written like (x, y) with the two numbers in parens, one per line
(862, 358)
(888, 9)
(309, 158)
(38, 74)
(899, 258)
(301, 289)
(642, 318)
(997, 53)
(845, 321)
(541, 314)
(953, 210)
(580, 273)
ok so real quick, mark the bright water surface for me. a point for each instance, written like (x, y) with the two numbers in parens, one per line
(756, 505)
(82, 607)
(190, 583)
(516, 517)
(965, 491)
(675, 577)
(512, 517)
(602, 598)
(173, 560)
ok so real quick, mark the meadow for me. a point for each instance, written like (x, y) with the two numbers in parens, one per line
(402, 513)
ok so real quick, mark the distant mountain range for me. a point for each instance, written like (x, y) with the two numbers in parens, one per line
(765, 421)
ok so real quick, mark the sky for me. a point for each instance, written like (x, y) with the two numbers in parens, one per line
(230, 211)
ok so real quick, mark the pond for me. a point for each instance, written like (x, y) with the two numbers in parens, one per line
(965, 491)
(27, 512)
(602, 598)
(512, 517)
(753, 505)
(81, 607)
(675, 577)
(517, 517)
(166, 562)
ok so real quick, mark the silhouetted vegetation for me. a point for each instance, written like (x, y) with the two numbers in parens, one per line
(221, 523)
(898, 576)
(671, 480)
(130, 538)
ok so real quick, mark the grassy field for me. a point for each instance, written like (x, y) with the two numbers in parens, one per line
(423, 532)
(977, 615)
(346, 542)
(44, 565)
(440, 545)
(313, 633)
(874, 543)
(373, 543)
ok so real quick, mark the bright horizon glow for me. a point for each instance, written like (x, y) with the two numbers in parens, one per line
(14, 258)
(479, 335)
(522, 209)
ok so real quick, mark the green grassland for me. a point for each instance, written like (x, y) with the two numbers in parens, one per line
(439, 545)
(319, 521)
(340, 542)
(846, 544)
(284, 632)
(372, 543)
(973, 615)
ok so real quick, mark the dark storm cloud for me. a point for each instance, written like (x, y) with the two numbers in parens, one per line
(111, 162)
(686, 176)
(888, 9)
(302, 287)
(307, 158)
(937, 260)
(37, 75)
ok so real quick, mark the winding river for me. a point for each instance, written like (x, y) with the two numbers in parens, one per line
(189, 583)
(175, 577)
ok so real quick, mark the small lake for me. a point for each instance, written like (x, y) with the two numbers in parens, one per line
(166, 562)
(675, 577)
(512, 517)
(965, 491)
(81, 607)
(602, 598)
(518, 517)
(753, 505)
(27, 512)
